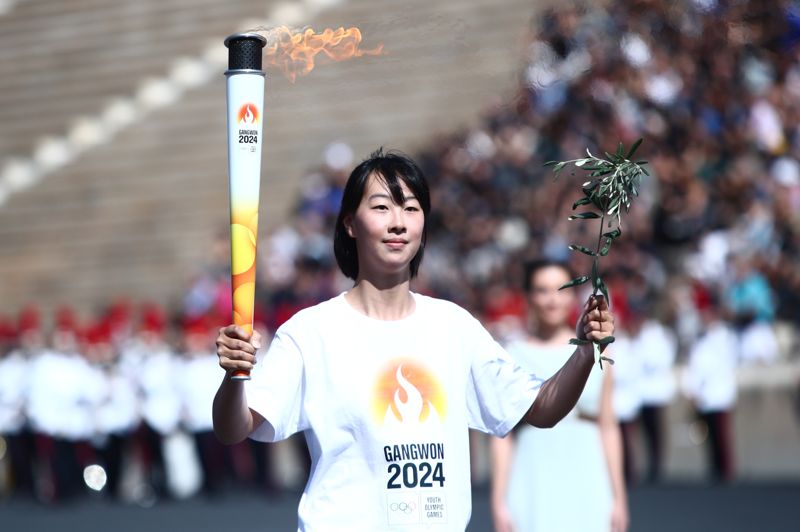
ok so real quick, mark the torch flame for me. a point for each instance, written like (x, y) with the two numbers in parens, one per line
(248, 117)
(294, 52)
(411, 411)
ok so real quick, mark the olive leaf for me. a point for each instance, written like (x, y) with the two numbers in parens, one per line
(582, 249)
(575, 282)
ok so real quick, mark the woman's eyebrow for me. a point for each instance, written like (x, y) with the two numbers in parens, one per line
(381, 195)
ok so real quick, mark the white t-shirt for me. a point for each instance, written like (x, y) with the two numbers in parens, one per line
(161, 402)
(62, 396)
(198, 384)
(627, 374)
(13, 391)
(385, 406)
(656, 348)
(118, 408)
(710, 377)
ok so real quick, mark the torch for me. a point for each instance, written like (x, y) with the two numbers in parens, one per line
(245, 98)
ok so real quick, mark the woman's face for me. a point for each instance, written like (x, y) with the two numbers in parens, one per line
(387, 235)
(550, 306)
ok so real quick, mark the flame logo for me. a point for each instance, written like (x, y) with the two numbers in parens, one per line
(248, 114)
(295, 52)
(407, 393)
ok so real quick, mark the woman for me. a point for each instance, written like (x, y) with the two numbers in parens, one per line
(385, 382)
(537, 475)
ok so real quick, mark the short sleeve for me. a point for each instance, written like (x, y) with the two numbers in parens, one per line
(276, 389)
(499, 391)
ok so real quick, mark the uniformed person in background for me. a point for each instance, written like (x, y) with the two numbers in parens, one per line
(116, 410)
(153, 362)
(18, 343)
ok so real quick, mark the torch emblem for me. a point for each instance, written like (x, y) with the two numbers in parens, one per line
(248, 115)
(406, 393)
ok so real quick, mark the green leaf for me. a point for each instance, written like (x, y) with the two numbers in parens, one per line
(616, 233)
(575, 282)
(620, 150)
(550, 163)
(605, 341)
(582, 249)
(606, 247)
(634, 148)
(584, 216)
(600, 172)
(582, 201)
(609, 360)
(578, 341)
(602, 286)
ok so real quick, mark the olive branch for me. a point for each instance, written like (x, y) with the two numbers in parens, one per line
(612, 183)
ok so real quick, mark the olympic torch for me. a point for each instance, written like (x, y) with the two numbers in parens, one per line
(245, 98)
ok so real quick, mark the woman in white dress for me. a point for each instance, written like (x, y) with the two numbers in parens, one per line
(539, 474)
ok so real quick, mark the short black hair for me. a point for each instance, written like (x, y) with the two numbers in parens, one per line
(533, 267)
(392, 167)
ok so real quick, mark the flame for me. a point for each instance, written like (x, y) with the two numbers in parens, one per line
(411, 408)
(248, 114)
(407, 394)
(294, 52)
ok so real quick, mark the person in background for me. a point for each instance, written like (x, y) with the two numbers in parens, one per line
(156, 372)
(656, 348)
(18, 345)
(197, 386)
(60, 409)
(627, 398)
(710, 384)
(116, 411)
(538, 474)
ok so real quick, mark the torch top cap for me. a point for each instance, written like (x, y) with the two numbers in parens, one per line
(244, 50)
(243, 36)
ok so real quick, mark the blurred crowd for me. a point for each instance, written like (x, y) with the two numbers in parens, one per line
(705, 273)
(118, 405)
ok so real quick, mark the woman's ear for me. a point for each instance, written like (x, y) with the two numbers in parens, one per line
(348, 225)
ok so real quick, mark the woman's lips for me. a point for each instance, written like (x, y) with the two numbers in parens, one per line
(395, 243)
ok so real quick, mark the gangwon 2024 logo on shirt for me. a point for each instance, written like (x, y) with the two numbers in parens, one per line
(406, 393)
(410, 405)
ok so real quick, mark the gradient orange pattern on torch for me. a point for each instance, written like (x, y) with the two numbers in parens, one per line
(244, 228)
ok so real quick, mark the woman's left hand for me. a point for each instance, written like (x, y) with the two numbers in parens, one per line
(596, 321)
(619, 517)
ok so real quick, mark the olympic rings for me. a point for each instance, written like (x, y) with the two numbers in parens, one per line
(404, 507)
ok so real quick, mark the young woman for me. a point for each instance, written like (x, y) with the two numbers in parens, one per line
(384, 382)
(538, 475)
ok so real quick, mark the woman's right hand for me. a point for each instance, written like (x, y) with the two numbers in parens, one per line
(501, 518)
(236, 349)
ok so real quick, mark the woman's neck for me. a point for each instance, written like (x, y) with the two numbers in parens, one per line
(388, 303)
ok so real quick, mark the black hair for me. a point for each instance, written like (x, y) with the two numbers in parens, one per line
(533, 267)
(391, 167)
